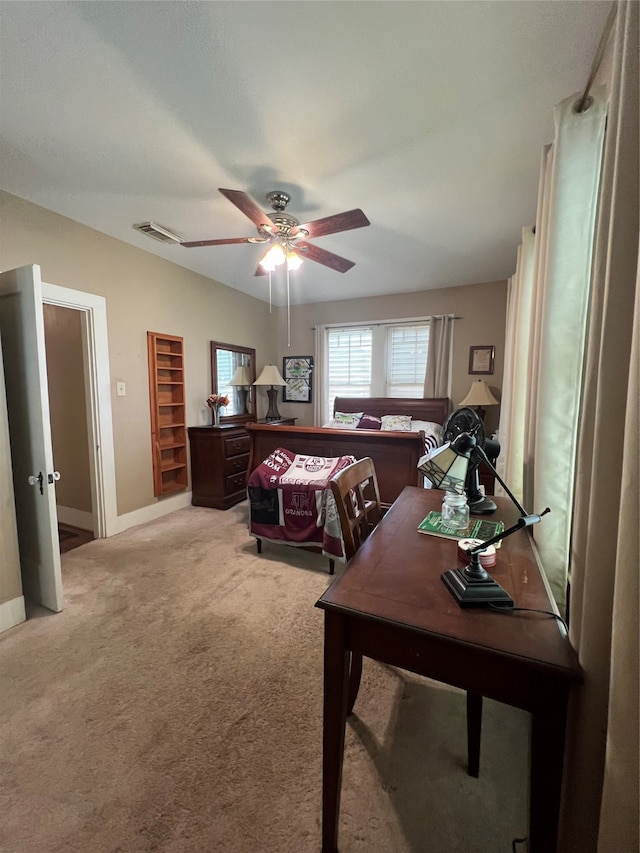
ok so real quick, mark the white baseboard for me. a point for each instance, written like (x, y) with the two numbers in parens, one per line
(12, 613)
(75, 517)
(150, 513)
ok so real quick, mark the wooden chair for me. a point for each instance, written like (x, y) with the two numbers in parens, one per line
(357, 496)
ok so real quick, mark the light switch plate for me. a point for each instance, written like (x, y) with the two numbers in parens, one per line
(121, 389)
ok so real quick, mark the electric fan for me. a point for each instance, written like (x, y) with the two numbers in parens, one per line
(468, 420)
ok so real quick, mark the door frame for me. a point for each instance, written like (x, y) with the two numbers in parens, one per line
(98, 387)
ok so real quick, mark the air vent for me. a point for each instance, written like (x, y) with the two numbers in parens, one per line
(157, 232)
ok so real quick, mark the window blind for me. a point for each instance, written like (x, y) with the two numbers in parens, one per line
(349, 355)
(377, 360)
(406, 360)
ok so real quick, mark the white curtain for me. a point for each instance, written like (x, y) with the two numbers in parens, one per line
(510, 463)
(547, 327)
(437, 380)
(318, 377)
(584, 375)
(602, 790)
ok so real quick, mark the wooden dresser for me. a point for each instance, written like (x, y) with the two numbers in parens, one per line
(219, 461)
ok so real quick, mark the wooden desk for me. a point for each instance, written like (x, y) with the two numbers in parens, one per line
(390, 604)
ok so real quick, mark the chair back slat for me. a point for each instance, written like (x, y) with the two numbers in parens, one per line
(357, 496)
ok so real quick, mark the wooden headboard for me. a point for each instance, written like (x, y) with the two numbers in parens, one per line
(434, 409)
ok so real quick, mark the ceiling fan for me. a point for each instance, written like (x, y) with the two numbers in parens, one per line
(285, 235)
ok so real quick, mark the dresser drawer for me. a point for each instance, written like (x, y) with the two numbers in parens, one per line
(236, 464)
(236, 444)
(235, 483)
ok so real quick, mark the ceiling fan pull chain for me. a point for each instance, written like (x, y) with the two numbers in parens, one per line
(269, 291)
(288, 311)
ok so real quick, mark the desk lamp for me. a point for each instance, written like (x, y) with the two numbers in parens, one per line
(241, 380)
(446, 467)
(271, 376)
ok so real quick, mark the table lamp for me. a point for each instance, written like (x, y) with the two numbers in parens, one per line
(241, 379)
(446, 467)
(271, 376)
(480, 396)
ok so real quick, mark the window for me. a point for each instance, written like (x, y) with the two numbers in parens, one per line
(406, 360)
(349, 359)
(384, 360)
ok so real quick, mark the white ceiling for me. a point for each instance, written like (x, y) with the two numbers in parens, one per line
(430, 116)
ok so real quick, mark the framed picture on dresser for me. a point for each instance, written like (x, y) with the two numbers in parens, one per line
(297, 371)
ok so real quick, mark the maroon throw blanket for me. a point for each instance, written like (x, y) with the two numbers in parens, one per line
(291, 501)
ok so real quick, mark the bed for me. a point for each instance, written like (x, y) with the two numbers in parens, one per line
(395, 454)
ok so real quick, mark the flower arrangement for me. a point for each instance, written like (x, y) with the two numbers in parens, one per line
(215, 403)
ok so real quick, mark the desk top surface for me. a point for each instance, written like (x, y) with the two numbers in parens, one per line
(396, 577)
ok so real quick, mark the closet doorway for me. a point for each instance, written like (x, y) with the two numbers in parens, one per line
(22, 295)
(70, 418)
(77, 326)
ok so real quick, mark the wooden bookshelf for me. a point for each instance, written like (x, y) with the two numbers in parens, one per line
(168, 426)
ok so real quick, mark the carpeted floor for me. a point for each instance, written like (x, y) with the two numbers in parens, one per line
(175, 706)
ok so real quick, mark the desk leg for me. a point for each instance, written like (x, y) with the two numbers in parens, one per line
(474, 733)
(548, 725)
(336, 675)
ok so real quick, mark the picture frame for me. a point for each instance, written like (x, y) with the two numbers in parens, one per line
(297, 371)
(481, 359)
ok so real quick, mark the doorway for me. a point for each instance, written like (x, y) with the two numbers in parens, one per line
(70, 422)
(22, 294)
(92, 316)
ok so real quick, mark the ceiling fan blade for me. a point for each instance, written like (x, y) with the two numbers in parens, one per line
(308, 251)
(231, 240)
(248, 206)
(340, 222)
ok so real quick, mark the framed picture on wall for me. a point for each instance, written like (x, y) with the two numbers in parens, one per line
(297, 372)
(481, 359)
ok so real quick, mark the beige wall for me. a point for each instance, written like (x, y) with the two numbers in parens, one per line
(480, 307)
(67, 404)
(143, 293)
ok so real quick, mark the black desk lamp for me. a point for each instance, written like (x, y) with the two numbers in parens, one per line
(446, 467)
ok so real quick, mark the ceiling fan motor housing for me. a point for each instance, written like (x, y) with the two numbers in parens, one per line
(278, 199)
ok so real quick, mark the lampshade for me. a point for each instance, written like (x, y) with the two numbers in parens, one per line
(270, 376)
(273, 257)
(294, 261)
(480, 395)
(242, 376)
(446, 468)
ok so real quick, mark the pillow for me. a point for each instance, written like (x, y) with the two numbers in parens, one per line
(370, 422)
(430, 429)
(397, 423)
(344, 420)
(432, 434)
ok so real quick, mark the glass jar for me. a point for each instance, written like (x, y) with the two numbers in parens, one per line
(455, 512)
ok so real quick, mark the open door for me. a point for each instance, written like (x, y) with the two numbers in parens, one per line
(23, 346)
